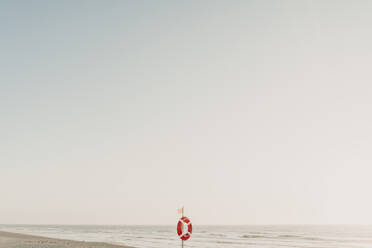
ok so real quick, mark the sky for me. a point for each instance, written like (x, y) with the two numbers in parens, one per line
(244, 112)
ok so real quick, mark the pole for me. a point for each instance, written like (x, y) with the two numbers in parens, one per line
(183, 209)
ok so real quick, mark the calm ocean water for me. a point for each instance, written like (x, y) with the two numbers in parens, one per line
(211, 236)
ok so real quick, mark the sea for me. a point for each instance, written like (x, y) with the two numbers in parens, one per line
(307, 236)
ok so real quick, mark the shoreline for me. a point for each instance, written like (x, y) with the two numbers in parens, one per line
(21, 240)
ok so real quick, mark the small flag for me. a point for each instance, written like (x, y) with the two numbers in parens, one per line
(180, 210)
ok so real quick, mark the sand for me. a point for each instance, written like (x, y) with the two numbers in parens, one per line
(16, 240)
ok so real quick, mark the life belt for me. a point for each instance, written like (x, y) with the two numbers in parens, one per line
(184, 228)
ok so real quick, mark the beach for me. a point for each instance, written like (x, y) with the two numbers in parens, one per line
(257, 236)
(17, 240)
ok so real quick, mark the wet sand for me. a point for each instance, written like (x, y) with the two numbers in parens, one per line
(17, 240)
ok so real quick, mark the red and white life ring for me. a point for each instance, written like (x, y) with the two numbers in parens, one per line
(184, 228)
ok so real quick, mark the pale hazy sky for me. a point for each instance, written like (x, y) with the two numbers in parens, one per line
(246, 112)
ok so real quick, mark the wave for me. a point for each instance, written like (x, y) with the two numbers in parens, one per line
(253, 236)
(217, 234)
(225, 242)
(289, 236)
(292, 236)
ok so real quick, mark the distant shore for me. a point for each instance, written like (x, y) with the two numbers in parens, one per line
(18, 240)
